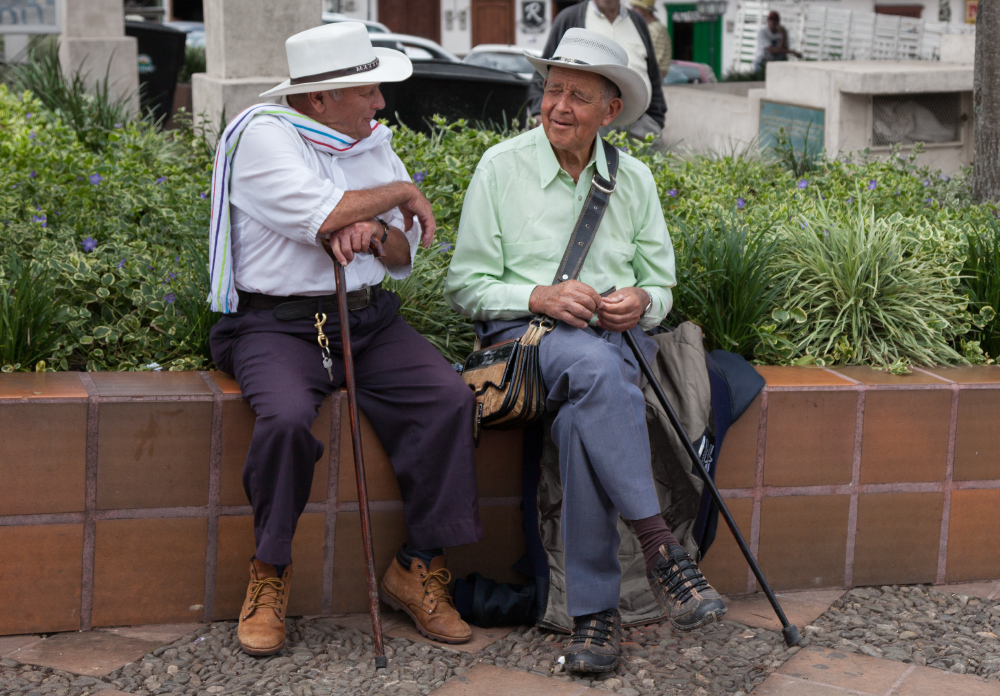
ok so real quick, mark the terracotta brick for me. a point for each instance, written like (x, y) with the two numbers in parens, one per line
(236, 547)
(810, 438)
(237, 430)
(857, 673)
(968, 374)
(973, 542)
(42, 385)
(977, 441)
(42, 572)
(737, 466)
(43, 458)
(227, 383)
(787, 376)
(801, 608)
(90, 653)
(905, 436)
(868, 375)
(724, 566)
(803, 540)
(149, 571)
(350, 591)
(380, 478)
(925, 681)
(153, 454)
(488, 680)
(150, 384)
(498, 463)
(501, 547)
(898, 538)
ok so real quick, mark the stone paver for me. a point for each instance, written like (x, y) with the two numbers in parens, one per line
(487, 680)
(11, 644)
(818, 671)
(162, 633)
(984, 590)
(396, 624)
(801, 608)
(93, 654)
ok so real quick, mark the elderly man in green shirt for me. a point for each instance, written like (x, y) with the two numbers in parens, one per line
(517, 219)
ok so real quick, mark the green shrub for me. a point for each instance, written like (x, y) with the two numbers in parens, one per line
(29, 319)
(981, 283)
(194, 62)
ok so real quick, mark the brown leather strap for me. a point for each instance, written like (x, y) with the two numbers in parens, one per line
(333, 74)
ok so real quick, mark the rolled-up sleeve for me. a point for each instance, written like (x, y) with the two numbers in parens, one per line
(653, 263)
(394, 218)
(474, 286)
(298, 201)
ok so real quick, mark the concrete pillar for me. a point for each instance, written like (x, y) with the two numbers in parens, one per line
(93, 39)
(245, 53)
(15, 48)
(958, 48)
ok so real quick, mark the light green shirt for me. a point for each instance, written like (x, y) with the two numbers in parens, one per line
(517, 219)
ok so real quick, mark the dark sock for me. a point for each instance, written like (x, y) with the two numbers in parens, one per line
(407, 553)
(653, 534)
(280, 570)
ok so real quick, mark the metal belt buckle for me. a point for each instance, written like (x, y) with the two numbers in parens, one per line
(597, 185)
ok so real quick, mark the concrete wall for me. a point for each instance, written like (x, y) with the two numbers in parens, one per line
(94, 42)
(711, 117)
(958, 48)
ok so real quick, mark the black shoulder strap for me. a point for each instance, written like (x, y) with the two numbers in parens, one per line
(590, 218)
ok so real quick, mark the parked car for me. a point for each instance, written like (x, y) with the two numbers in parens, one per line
(415, 47)
(195, 32)
(685, 72)
(372, 27)
(502, 57)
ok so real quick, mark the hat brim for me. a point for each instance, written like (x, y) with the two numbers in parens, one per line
(393, 66)
(635, 96)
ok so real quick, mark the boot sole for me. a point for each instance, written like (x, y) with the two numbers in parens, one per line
(584, 668)
(399, 606)
(258, 652)
(710, 617)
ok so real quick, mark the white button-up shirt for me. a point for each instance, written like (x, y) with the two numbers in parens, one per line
(623, 31)
(281, 191)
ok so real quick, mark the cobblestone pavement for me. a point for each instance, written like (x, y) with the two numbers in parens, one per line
(910, 624)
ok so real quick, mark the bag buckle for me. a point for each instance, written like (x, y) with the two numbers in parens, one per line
(596, 181)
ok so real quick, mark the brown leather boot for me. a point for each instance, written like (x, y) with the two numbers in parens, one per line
(262, 619)
(422, 593)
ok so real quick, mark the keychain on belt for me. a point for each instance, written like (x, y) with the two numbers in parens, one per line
(324, 344)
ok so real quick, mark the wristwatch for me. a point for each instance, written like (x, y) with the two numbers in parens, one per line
(649, 303)
(385, 229)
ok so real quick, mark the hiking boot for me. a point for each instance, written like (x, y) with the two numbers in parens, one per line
(682, 591)
(596, 643)
(422, 592)
(262, 620)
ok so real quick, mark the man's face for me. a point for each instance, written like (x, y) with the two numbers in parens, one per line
(574, 108)
(773, 23)
(352, 113)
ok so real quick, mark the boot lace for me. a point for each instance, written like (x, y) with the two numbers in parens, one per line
(598, 628)
(266, 594)
(436, 585)
(682, 578)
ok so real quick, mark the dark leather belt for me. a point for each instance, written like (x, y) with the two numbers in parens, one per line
(300, 307)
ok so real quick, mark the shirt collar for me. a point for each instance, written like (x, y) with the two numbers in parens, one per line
(622, 11)
(548, 165)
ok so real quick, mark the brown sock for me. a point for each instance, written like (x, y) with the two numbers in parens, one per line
(653, 534)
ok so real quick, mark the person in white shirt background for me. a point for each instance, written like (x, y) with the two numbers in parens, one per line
(283, 177)
(772, 42)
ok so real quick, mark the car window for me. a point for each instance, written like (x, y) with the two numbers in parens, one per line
(417, 53)
(500, 61)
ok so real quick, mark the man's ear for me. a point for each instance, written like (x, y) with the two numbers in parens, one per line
(614, 108)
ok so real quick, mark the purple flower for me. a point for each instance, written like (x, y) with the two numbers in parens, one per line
(161, 179)
(419, 177)
(927, 182)
(170, 297)
(822, 197)
(850, 199)
(944, 177)
(39, 218)
(89, 244)
(31, 135)
(444, 246)
(803, 183)
(172, 275)
(672, 193)
(32, 174)
(203, 195)
(95, 179)
(740, 204)
(118, 125)
(872, 185)
(28, 115)
(120, 263)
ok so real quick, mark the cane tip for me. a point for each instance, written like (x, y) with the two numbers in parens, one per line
(792, 636)
(381, 662)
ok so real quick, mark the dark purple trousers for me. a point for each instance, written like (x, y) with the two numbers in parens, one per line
(420, 409)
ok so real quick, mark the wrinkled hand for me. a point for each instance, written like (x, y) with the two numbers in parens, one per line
(572, 302)
(418, 205)
(353, 239)
(622, 309)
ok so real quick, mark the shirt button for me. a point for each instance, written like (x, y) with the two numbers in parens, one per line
(579, 198)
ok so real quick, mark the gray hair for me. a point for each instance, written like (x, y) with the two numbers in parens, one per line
(292, 99)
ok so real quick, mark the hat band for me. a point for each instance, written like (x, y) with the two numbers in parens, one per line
(333, 74)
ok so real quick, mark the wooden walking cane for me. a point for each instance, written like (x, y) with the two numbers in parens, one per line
(359, 461)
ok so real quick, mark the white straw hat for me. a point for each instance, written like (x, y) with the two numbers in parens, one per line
(589, 51)
(338, 55)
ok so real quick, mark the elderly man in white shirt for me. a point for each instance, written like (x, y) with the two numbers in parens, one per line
(284, 176)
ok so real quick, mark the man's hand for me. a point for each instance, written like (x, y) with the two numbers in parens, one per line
(353, 239)
(622, 309)
(572, 302)
(417, 204)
